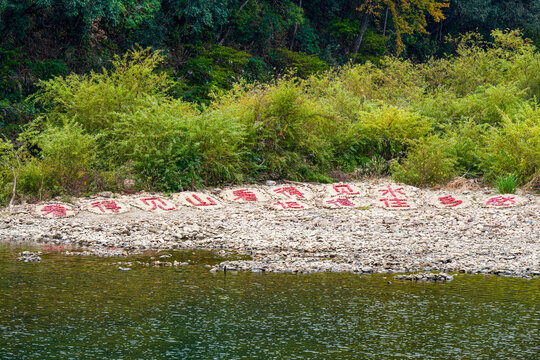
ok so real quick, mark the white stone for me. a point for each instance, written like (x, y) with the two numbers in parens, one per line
(396, 197)
(448, 200)
(342, 190)
(197, 200)
(107, 207)
(291, 192)
(243, 195)
(55, 210)
(503, 201)
(154, 203)
(289, 205)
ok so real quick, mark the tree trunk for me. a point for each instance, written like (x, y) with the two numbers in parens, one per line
(295, 31)
(243, 5)
(15, 177)
(228, 31)
(385, 22)
(360, 37)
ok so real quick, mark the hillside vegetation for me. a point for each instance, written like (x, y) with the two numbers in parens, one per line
(475, 114)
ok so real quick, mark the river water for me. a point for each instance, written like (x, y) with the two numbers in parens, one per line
(82, 308)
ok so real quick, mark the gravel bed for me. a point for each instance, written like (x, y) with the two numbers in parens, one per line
(472, 239)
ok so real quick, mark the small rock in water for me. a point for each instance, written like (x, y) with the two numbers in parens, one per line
(421, 277)
(29, 257)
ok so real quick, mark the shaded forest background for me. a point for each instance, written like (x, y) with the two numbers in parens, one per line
(209, 44)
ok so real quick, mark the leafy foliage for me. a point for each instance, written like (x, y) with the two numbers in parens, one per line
(409, 16)
(212, 71)
(428, 163)
(300, 63)
(506, 184)
(423, 123)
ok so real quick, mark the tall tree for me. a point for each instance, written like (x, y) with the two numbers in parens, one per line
(408, 16)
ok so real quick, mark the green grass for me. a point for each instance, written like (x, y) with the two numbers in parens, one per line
(506, 184)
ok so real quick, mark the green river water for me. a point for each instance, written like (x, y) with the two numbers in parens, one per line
(80, 308)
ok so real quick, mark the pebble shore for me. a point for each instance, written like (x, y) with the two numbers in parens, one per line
(473, 239)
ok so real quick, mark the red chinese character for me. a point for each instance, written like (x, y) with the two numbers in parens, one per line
(395, 202)
(106, 205)
(154, 201)
(449, 201)
(55, 210)
(289, 191)
(392, 192)
(245, 195)
(201, 202)
(501, 201)
(345, 190)
(289, 205)
(341, 202)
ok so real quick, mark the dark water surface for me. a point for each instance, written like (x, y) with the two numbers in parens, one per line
(79, 308)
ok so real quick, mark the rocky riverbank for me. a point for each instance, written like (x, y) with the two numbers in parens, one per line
(367, 239)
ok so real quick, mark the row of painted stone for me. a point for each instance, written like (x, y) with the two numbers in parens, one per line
(286, 198)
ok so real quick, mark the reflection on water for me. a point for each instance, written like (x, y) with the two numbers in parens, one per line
(78, 308)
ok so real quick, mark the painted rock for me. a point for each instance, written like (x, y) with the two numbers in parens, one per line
(291, 192)
(107, 207)
(394, 197)
(503, 201)
(55, 210)
(198, 200)
(289, 205)
(449, 201)
(154, 203)
(344, 202)
(342, 190)
(244, 195)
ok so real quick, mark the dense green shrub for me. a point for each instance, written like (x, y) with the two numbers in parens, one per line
(467, 144)
(514, 148)
(68, 155)
(427, 120)
(214, 70)
(284, 130)
(96, 100)
(299, 63)
(429, 162)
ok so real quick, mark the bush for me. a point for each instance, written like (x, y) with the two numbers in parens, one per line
(396, 82)
(153, 141)
(12, 159)
(299, 63)
(429, 162)
(467, 144)
(219, 138)
(472, 114)
(32, 182)
(285, 131)
(96, 100)
(214, 70)
(68, 156)
(514, 148)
